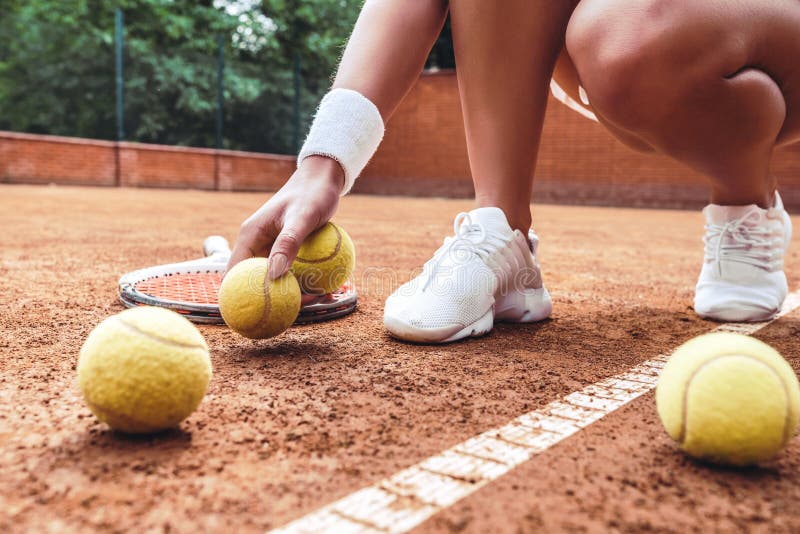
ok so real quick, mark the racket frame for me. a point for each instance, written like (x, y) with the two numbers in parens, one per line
(344, 303)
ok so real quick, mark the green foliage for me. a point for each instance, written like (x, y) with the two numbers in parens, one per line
(53, 77)
(57, 67)
(442, 55)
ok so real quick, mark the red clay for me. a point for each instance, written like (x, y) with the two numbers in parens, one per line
(295, 422)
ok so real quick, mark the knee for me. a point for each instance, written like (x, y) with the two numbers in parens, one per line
(622, 52)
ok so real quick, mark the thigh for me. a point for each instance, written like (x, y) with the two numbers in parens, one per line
(698, 38)
(566, 76)
(775, 49)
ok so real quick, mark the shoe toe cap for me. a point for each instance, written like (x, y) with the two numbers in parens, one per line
(736, 313)
(719, 306)
(754, 299)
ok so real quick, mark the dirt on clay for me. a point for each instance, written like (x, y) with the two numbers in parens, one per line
(295, 422)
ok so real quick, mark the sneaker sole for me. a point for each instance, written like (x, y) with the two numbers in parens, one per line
(524, 306)
(739, 315)
(402, 330)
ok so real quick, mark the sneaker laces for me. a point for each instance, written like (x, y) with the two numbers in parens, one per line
(471, 240)
(742, 240)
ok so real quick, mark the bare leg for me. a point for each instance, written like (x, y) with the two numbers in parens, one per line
(505, 54)
(715, 85)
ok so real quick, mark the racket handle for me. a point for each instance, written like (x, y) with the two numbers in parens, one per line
(216, 244)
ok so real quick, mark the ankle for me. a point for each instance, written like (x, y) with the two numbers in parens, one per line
(518, 219)
(763, 197)
(523, 224)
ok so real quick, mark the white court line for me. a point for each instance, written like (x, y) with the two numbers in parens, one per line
(406, 499)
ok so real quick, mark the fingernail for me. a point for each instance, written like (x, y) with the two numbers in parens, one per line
(277, 266)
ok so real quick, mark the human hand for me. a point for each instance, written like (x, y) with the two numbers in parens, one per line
(278, 228)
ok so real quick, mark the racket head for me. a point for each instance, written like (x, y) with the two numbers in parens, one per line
(332, 306)
(191, 288)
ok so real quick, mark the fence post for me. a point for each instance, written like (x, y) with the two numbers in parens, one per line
(220, 105)
(120, 98)
(220, 88)
(296, 103)
(118, 38)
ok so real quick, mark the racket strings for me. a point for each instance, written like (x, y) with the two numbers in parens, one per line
(198, 288)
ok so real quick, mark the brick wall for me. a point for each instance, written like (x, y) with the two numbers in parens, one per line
(579, 162)
(42, 159)
(38, 159)
(424, 154)
(246, 171)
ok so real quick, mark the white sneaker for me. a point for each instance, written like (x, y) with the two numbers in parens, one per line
(742, 279)
(486, 272)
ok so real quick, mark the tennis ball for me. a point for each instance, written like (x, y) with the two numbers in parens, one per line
(144, 370)
(255, 307)
(729, 398)
(325, 261)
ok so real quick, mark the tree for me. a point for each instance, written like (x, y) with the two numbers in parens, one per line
(57, 67)
(52, 77)
(442, 55)
(57, 74)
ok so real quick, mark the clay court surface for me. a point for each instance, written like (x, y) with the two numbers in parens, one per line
(293, 423)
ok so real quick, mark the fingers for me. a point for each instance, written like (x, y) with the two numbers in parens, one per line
(286, 245)
(253, 240)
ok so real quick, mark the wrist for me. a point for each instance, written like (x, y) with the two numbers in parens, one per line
(325, 169)
(347, 127)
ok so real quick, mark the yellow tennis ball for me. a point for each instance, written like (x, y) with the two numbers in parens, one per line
(729, 398)
(325, 261)
(254, 307)
(144, 370)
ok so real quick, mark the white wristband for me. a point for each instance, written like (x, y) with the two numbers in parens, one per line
(348, 128)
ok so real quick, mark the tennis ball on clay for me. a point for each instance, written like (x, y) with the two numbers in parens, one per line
(254, 306)
(144, 370)
(729, 399)
(325, 261)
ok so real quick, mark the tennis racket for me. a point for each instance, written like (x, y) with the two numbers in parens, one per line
(191, 288)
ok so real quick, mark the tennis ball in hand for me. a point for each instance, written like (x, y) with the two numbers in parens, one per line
(254, 306)
(144, 370)
(729, 398)
(325, 261)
